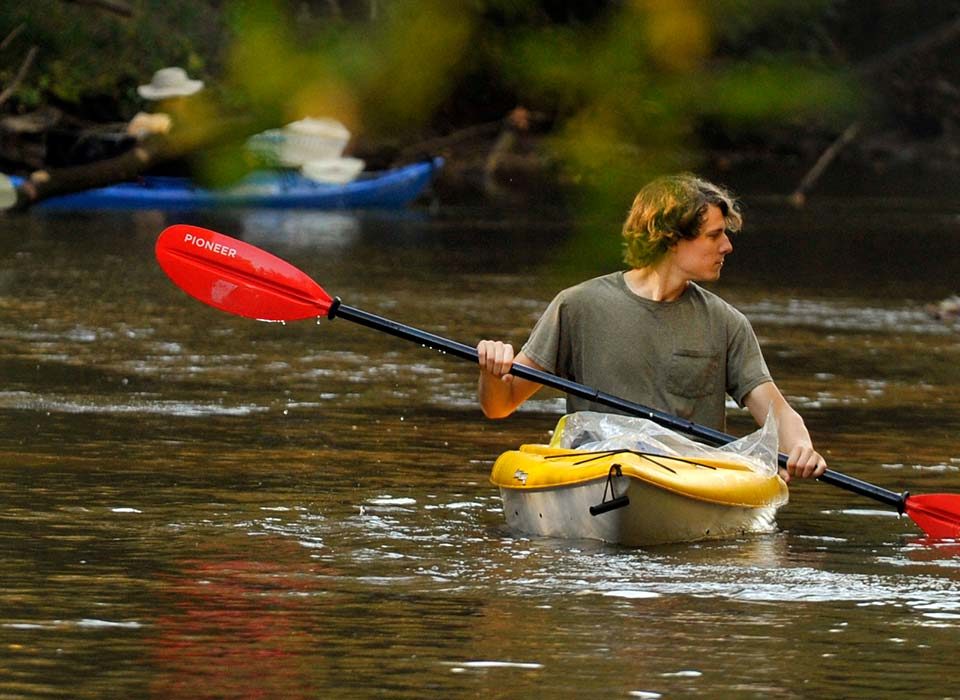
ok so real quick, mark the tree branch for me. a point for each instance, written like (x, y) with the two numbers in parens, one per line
(21, 73)
(799, 196)
(12, 35)
(117, 7)
(943, 34)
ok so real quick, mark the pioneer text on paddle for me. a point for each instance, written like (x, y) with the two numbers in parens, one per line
(210, 245)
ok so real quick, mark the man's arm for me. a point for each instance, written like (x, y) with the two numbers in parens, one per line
(802, 459)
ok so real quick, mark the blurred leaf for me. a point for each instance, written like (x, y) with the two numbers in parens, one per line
(677, 33)
(627, 84)
(418, 52)
(779, 90)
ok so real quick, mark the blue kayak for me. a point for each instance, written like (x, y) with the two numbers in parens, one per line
(274, 190)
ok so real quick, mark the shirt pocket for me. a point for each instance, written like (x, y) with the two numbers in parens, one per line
(693, 373)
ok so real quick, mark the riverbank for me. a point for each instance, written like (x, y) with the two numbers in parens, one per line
(498, 162)
(878, 166)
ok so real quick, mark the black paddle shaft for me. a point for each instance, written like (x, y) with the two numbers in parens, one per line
(701, 432)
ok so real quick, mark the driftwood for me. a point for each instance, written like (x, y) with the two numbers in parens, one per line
(799, 196)
(467, 134)
(481, 150)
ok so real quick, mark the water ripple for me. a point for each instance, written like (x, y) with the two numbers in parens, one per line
(27, 401)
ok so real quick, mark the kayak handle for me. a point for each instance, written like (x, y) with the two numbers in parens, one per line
(615, 501)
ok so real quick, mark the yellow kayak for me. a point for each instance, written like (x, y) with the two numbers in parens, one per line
(633, 498)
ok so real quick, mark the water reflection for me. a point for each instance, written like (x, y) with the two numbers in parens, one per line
(317, 230)
(237, 626)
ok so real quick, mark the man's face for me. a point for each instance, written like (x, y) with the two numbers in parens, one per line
(701, 258)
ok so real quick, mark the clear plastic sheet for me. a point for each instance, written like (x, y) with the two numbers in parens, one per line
(599, 432)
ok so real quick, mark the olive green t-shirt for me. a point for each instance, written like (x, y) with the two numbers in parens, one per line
(682, 357)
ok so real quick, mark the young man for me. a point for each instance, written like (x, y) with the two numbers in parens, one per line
(651, 334)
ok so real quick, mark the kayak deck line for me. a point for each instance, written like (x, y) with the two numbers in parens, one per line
(717, 480)
(649, 455)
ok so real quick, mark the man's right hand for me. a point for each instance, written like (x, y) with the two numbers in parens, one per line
(496, 358)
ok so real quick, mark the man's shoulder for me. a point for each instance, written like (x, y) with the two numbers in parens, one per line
(611, 282)
(714, 303)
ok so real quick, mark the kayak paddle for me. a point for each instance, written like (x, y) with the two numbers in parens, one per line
(240, 278)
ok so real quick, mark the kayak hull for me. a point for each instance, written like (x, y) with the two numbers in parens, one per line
(387, 189)
(550, 492)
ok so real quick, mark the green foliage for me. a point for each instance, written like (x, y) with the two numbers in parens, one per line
(627, 84)
(631, 91)
(780, 90)
(87, 54)
(390, 75)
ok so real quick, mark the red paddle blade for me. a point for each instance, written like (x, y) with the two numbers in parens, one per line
(237, 277)
(937, 514)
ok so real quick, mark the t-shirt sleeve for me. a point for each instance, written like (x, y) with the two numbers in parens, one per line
(543, 345)
(746, 368)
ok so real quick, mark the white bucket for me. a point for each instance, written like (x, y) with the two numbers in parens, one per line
(312, 139)
(336, 171)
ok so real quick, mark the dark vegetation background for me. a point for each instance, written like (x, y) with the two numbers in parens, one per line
(609, 92)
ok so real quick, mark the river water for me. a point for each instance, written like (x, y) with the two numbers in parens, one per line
(201, 506)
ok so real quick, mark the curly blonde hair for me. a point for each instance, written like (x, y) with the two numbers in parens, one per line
(669, 209)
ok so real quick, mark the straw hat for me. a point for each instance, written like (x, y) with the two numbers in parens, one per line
(169, 82)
